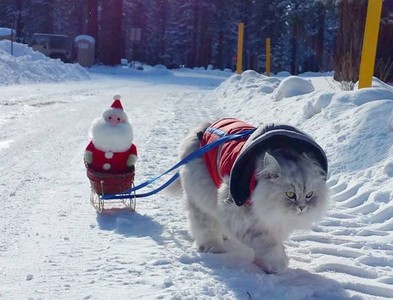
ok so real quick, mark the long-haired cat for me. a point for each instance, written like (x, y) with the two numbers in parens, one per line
(291, 193)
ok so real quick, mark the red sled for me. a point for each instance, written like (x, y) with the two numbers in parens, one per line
(106, 183)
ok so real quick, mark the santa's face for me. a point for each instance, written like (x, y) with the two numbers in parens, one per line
(114, 119)
(112, 132)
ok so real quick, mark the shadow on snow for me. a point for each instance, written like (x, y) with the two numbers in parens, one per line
(130, 224)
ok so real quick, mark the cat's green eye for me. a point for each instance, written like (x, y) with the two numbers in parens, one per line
(291, 195)
(309, 195)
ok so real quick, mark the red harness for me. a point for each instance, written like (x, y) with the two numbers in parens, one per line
(237, 158)
(220, 160)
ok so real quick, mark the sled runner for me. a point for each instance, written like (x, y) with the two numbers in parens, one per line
(106, 183)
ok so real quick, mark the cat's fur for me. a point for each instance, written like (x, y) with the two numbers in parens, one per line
(272, 216)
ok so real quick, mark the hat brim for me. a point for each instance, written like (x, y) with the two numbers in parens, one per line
(269, 138)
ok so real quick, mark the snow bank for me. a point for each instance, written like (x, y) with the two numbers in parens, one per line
(293, 86)
(250, 84)
(28, 66)
(354, 127)
(157, 70)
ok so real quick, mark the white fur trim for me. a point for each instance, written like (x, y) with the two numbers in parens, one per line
(109, 154)
(111, 138)
(116, 97)
(106, 166)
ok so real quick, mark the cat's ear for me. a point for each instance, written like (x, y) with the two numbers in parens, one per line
(268, 166)
(313, 161)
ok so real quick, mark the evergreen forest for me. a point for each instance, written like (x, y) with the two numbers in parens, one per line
(306, 35)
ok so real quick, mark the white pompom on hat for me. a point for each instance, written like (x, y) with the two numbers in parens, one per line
(116, 109)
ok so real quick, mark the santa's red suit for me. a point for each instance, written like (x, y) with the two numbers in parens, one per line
(111, 162)
(111, 149)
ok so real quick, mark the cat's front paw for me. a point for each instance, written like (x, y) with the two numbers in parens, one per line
(210, 247)
(273, 262)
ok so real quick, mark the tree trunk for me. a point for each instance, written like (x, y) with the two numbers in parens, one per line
(319, 41)
(92, 15)
(346, 60)
(111, 36)
(384, 61)
(294, 47)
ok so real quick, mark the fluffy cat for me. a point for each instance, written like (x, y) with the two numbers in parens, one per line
(290, 194)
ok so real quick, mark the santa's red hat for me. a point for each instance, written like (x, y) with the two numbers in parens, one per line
(117, 103)
(116, 108)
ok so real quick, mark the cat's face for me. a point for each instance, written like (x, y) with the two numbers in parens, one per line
(290, 186)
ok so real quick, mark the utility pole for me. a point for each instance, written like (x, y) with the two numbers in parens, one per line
(240, 48)
(370, 42)
(268, 57)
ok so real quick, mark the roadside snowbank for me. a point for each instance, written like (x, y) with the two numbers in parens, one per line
(332, 117)
(355, 128)
(28, 66)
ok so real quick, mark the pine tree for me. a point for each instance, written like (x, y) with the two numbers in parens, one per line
(156, 29)
(39, 16)
(384, 61)
(135, 24)
(91, 18)
(225, 20)
(69, 17)
(8, 12)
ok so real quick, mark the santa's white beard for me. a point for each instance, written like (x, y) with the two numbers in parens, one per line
(111, 138)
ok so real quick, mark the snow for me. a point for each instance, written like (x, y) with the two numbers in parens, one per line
(27, 66)
(53, 245)
(292, 86)
(84, 37)
(5, 31)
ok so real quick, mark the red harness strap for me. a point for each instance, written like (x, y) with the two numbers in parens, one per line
(219, 161)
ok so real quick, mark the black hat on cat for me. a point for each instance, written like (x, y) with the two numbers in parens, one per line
(269, 137)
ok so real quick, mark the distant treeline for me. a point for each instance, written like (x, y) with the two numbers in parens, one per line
(306, 35)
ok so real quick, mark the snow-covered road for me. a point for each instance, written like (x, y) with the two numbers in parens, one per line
(53, 245)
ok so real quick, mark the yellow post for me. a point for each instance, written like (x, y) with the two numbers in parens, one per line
(268, 56)
(240, 48)
(370, 41)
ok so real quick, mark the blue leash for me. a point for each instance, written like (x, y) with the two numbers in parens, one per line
(188, 158)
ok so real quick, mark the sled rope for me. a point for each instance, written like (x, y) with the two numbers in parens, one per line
(197, 153)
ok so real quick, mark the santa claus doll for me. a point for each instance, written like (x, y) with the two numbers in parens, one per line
(111, 149)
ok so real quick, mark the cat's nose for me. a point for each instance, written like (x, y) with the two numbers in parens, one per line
(302, 207)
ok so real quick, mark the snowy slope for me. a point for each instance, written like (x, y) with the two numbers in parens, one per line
(354, 242)
(54, 246)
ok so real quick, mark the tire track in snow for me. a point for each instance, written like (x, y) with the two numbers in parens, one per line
(166, 210)
(360, 260)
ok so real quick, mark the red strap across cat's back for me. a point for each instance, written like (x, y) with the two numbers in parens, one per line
(220, 160)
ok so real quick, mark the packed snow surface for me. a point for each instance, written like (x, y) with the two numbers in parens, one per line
(53, 245)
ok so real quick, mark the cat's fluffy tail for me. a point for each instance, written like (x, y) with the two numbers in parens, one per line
(175, 189)
(189, 144)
